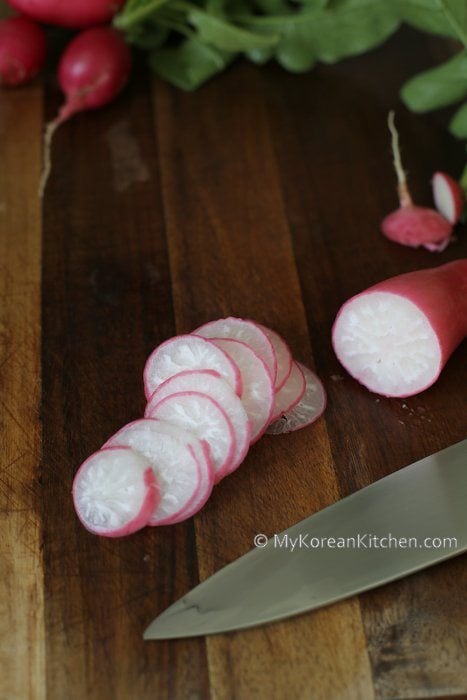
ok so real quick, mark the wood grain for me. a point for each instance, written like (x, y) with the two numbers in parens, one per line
(22, 661)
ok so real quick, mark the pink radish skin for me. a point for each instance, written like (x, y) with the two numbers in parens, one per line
(69, 13)
(290, 394)
(448, 197)
(110, 477)
(283, 355)
(396, 336)
(310, 407)
(411, 225)
(22, 51)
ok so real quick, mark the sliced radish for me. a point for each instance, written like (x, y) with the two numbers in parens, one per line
(204, 417)
(283, 355)
(258, 385)
(291, 393)
(448, 196)
(212, 384)
(115, 492)
(309, 408)
(248, 332)
(188, 352)
(184, 475)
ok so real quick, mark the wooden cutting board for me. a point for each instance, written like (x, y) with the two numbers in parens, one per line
(260, 195)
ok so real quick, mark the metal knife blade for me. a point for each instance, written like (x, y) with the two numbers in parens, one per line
(427, 499)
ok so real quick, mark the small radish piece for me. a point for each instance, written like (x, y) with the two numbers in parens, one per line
(258, 385)
(188, 352)
(290, 394)
(204, 417)
(411, 225)
(210, 383)
(248, 332)
(184, 474)
(22, 50)
(309, 408)
(283, 355)
(396, 336)
(93, 69)
(115, 492)
(448, 196)
(69, 13)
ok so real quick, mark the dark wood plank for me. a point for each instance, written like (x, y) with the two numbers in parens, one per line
(329, 131)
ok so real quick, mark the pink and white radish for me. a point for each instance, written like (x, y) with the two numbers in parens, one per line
(93, 69)
(181, 465)
(187, 352)
(204, 417)
(248, 332)
(115, 492)
(396, 336)
(69, 13)
(22, 50)
(290, 394)
(283, 356)
(310, 407)
(448, 197)
(411, 225)
(210, 383)
(258, 385)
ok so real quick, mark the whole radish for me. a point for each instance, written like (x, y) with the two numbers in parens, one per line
(22, 50)
(69, 13)
(412, 225)
(93, 69)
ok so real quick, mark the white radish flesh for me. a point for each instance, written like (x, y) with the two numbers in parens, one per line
(186, 352)
(448, 197)
(212, 384)
(290, 394)
(283, 355)
(309, 408)
(258, 386)
(115, 492)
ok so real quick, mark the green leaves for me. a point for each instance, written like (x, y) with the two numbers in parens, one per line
(438, 87)
(458, 124)
(190, 64)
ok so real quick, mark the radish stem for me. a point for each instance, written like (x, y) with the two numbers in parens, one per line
(404, 195)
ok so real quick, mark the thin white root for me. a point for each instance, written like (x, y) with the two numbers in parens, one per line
(50, 130)
(404, 195)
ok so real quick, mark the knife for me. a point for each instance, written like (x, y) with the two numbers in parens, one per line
(407, 521)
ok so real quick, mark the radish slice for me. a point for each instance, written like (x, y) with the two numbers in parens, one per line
(448, 197)
(115, 492)
(248, 332)
(185, 480)
(205, 418)
(188, 352)
(258, 385)
(212, 384)
(310, 407)
(283, 354)
(291, 393)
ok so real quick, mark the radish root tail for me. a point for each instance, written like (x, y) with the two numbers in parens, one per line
(404, 195)
(47, 155)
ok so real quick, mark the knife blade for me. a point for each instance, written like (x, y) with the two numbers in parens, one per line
(425, 502)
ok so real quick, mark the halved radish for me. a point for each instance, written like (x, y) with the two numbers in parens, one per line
(115, 492)
(184, 474)
(188, 352)
(448, 196)
(204, 417)
(283, 355)
(309, 408)
(210, 383)
(258, 385)
(290, 394)
(248, 332)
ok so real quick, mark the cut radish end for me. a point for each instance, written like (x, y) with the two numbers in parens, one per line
(387, 343)
(290, 394)
(417, 226)
(212, 384)
(309, 408)
(204, 417)
(115, 492)
(283, 355)
(188, 352)
(448, 197)
(248, 332)
(258, 385)
(185, 480)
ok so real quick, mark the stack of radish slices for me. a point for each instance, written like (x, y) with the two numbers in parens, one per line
(211, 394)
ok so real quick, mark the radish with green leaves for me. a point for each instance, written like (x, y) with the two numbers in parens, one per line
(22, 50)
